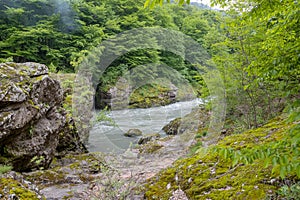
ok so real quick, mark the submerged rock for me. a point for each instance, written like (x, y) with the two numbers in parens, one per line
(34, 127)
(133, 133)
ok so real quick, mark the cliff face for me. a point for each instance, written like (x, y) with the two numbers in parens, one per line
(33, 125)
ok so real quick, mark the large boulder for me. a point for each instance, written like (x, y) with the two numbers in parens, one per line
(116, 97)
(125, 94)
(195, 121)
(34, 127)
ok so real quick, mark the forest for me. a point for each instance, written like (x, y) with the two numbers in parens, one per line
(254, 45)
(61, 33)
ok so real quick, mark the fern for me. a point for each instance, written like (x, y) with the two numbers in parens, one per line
(282, 155)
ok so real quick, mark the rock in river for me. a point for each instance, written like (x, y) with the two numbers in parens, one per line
(133, 133)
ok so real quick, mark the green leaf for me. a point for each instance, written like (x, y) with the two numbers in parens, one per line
(146, 4)
(274, 161)
(226, 153)
(236, 159)
(283, 172)
(298, 170)
(266, 162)
(161, 2)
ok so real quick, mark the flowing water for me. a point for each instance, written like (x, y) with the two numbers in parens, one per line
(108, 137)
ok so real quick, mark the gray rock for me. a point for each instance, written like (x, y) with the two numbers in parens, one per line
(133, 133)
(149, 137)
(172, 128)
(178, 195)
(117, 97)
(33, 125)
(15, 181)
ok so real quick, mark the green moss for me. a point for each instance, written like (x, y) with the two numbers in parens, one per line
(149, 95)
(150, 147)
(82, 166)
(5, 168)
(274, 130)
(206, 175)
(14, 187)
(67, 104)
(47, 177)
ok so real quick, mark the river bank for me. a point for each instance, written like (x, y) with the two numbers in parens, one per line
(168, 167)
(165, 169)
(83, 176)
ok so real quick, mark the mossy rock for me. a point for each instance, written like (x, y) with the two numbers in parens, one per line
(149, 95)
(31, 115)
(207, 175)
(150, 147)
(133, 133)
(71, 169)
(13, 188)
(195, 122)
(172, 127)
(148, 137)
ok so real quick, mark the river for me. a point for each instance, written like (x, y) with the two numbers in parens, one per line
(106, 137)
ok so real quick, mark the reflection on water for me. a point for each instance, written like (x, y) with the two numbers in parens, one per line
(105, 137)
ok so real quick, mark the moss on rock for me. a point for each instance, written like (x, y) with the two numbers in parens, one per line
(11, 187)
(150, 95)
(150, 147)
(207, 175)
(71, 169)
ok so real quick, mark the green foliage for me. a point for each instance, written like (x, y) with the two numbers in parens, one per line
(62, 33)
(256, 50)
(5, 168)
(196, 147)
(236, 167)
(102, 116)
(282, 155)
(258, 56)
(152, 3)
(37, 160)
(289, 192)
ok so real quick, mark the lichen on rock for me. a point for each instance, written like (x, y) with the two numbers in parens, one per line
(34, 126)
(14, 186)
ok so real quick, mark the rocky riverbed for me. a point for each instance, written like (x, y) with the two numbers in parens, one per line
(39, 140)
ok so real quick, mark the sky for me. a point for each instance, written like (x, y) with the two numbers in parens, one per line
(206, 2)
